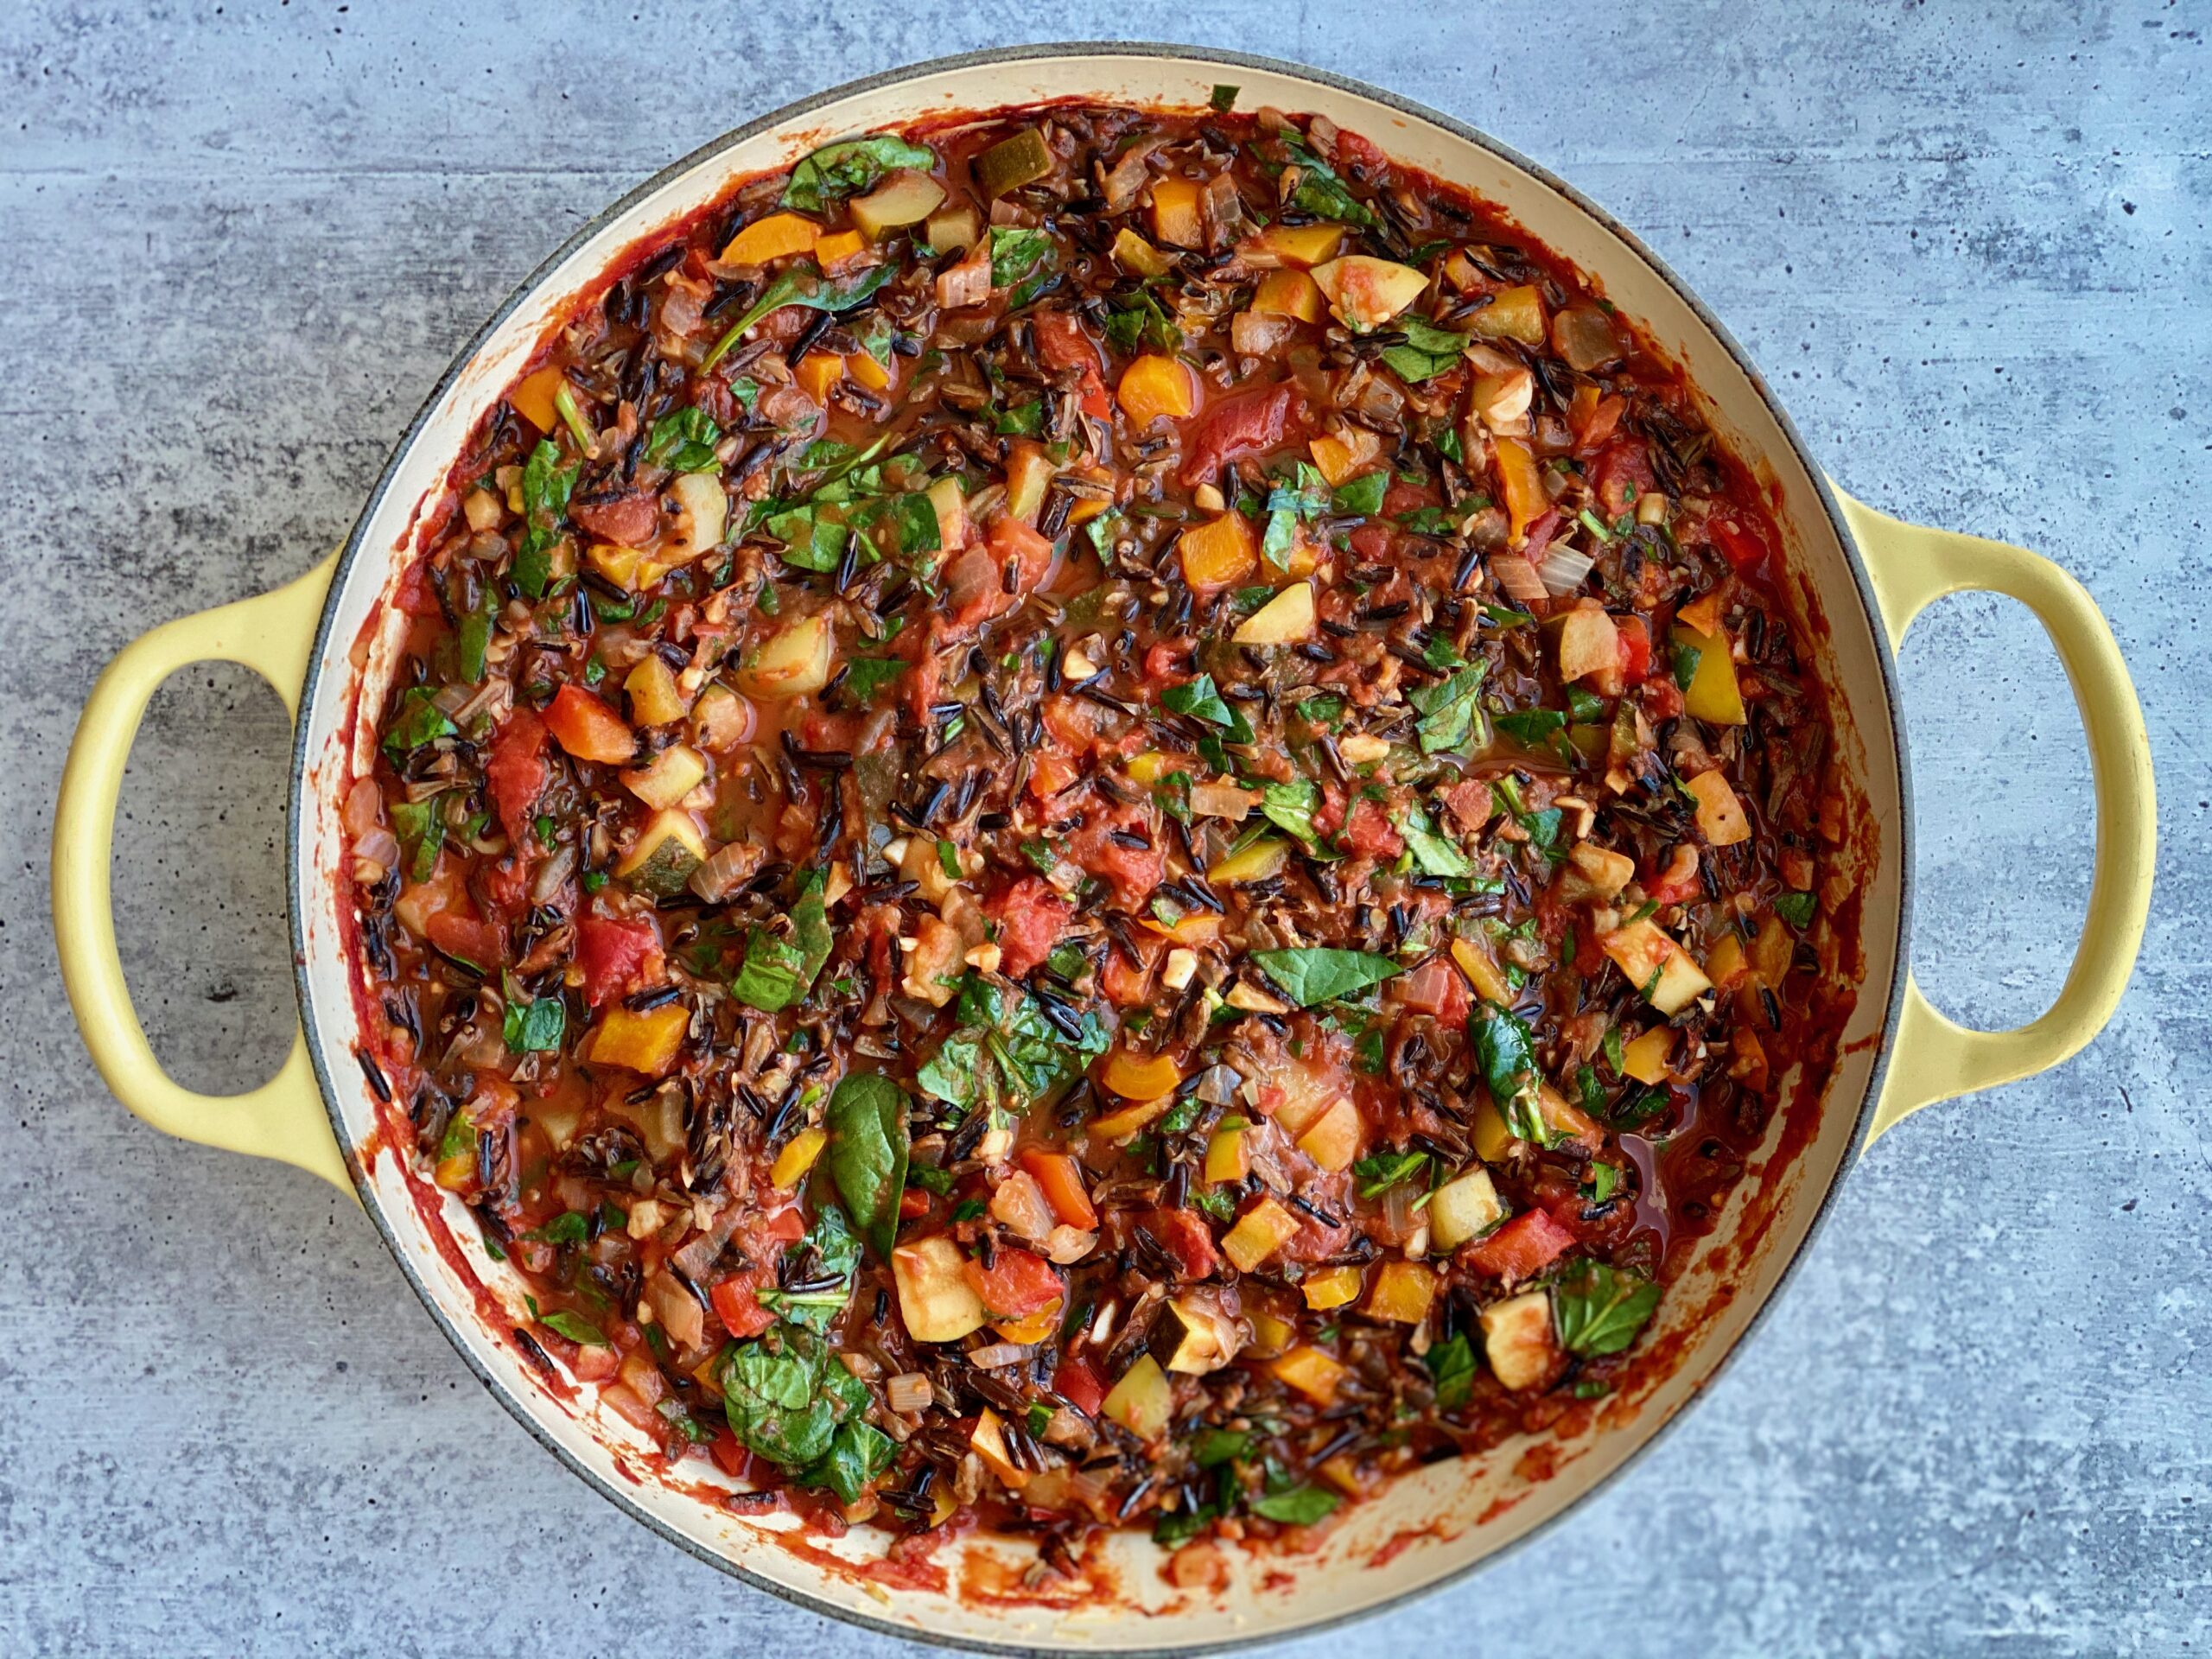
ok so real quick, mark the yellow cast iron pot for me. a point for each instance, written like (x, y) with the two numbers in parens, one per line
(1866, 574)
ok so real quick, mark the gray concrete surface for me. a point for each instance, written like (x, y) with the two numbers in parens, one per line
(239, 241)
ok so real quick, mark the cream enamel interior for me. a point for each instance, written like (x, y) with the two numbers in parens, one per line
(1461, 1513)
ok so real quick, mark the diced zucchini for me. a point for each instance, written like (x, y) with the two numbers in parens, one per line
(1401, 1293)
(1013, 162)
(935, 1299)
(1330, 1287)
(903, 199)
(1259, 1233)
(1332, 1139)
(794, 663)
(654, 700)
(1143, 1401)
(1464, 1207)
(1366, 292)
(1656, 965)
(1721, 815)
(1192, 1338)
(1712, 694)
(675, 772)
(665, 856)
(1285, 619)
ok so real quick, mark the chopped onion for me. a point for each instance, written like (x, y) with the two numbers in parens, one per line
(992, 1356)
(364, 809)
(909, 1393)
(1216, 1085)
(1517, 578)
(378, 846)
(1563, 570)
(552, 876)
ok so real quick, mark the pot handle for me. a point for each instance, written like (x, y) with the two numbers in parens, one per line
(1933, 1059)
(283, 1118)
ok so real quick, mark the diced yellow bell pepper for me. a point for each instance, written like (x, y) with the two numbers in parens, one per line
(1314, 1374)
(1330, 1287)
(867, 372)
(1332, 1139)
(1644, 1057)
(1517, 314)
(797, 1157)
(1175, 213)
(532, 397)
(988, 1440)
(1219, 553)
(1523, 483)
(1257, 862)
(818, 372)
(1303, 245)
(1259, 1233)
(646, 1042)
(1482, 972)
(1270, 1334)
(654, 700)
(1402, 1292)
(1120, 1126)
(1227, 1157)
(1290, 294)
(1712, 694)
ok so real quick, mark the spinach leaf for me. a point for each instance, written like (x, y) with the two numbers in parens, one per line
(774, 1396)
(546, 485)
(684, 441)
(576, 1328)
(1427, 353)
(845, 169)
(1794, 908)
(1023, 419)
(418, 720)
(533, 1025)
(1321, 192)
(830, 1240)
(569, 1227)
(1289, 503)
(803, 285)
(473, 640)
(1022, 260)
(1585, 707)
(779, 972)
(1210, 1447)
(1506, 1050)
(422, 830)
(1301, 1506)
(1529, 727)
(867, 1154)
(1452, 1369)
(1385, 1169)
(1435, 853)
(1140, 322)
(814, 537)
(1599, 1309)
(1291, 806)
(1315, 974)
(1363, 497)
(951, 1074)
(1450, 717)
(1224, 99)
(1200, 701)
(866, 676)
(858, 1451)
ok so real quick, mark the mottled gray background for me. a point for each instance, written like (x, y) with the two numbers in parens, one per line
(239, 242)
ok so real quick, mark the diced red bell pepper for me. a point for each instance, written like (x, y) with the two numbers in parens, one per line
(1744, 546)
(1633, 638)
(1248, 423)
(1077, 1381)
(612, 954)
(1016, 1284)
(588, 729)
(1031, 914)
(514, 773)
(738, 1307)
(913, 1203)
(1525, 1246)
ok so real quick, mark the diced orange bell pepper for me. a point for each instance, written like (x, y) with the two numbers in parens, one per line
(1525, 500)
(1219, 555)
(774, 237)
(1175, 213)
(1141, 1077)
(1155, 386)
(646, 1042)
(1288, 293)
(1061, 1177)
(532, 397)
(818, 372)
(832, 251)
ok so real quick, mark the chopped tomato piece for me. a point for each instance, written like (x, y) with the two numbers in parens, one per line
(1188, 1239)
(1031, 915)
(588, 729)
(913, 1203)
(1016, 1284)
(1077, 1381)
(1526, 1245)
(1246, 424)
(1369, 830)
(738, 1307)
(1436, 987)
(1622, 474)
(1742, 545)
(1633, 636)
(514, 773)
(476, 942)
(614, 954)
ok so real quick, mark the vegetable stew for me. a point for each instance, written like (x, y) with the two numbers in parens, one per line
(1095, 818)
